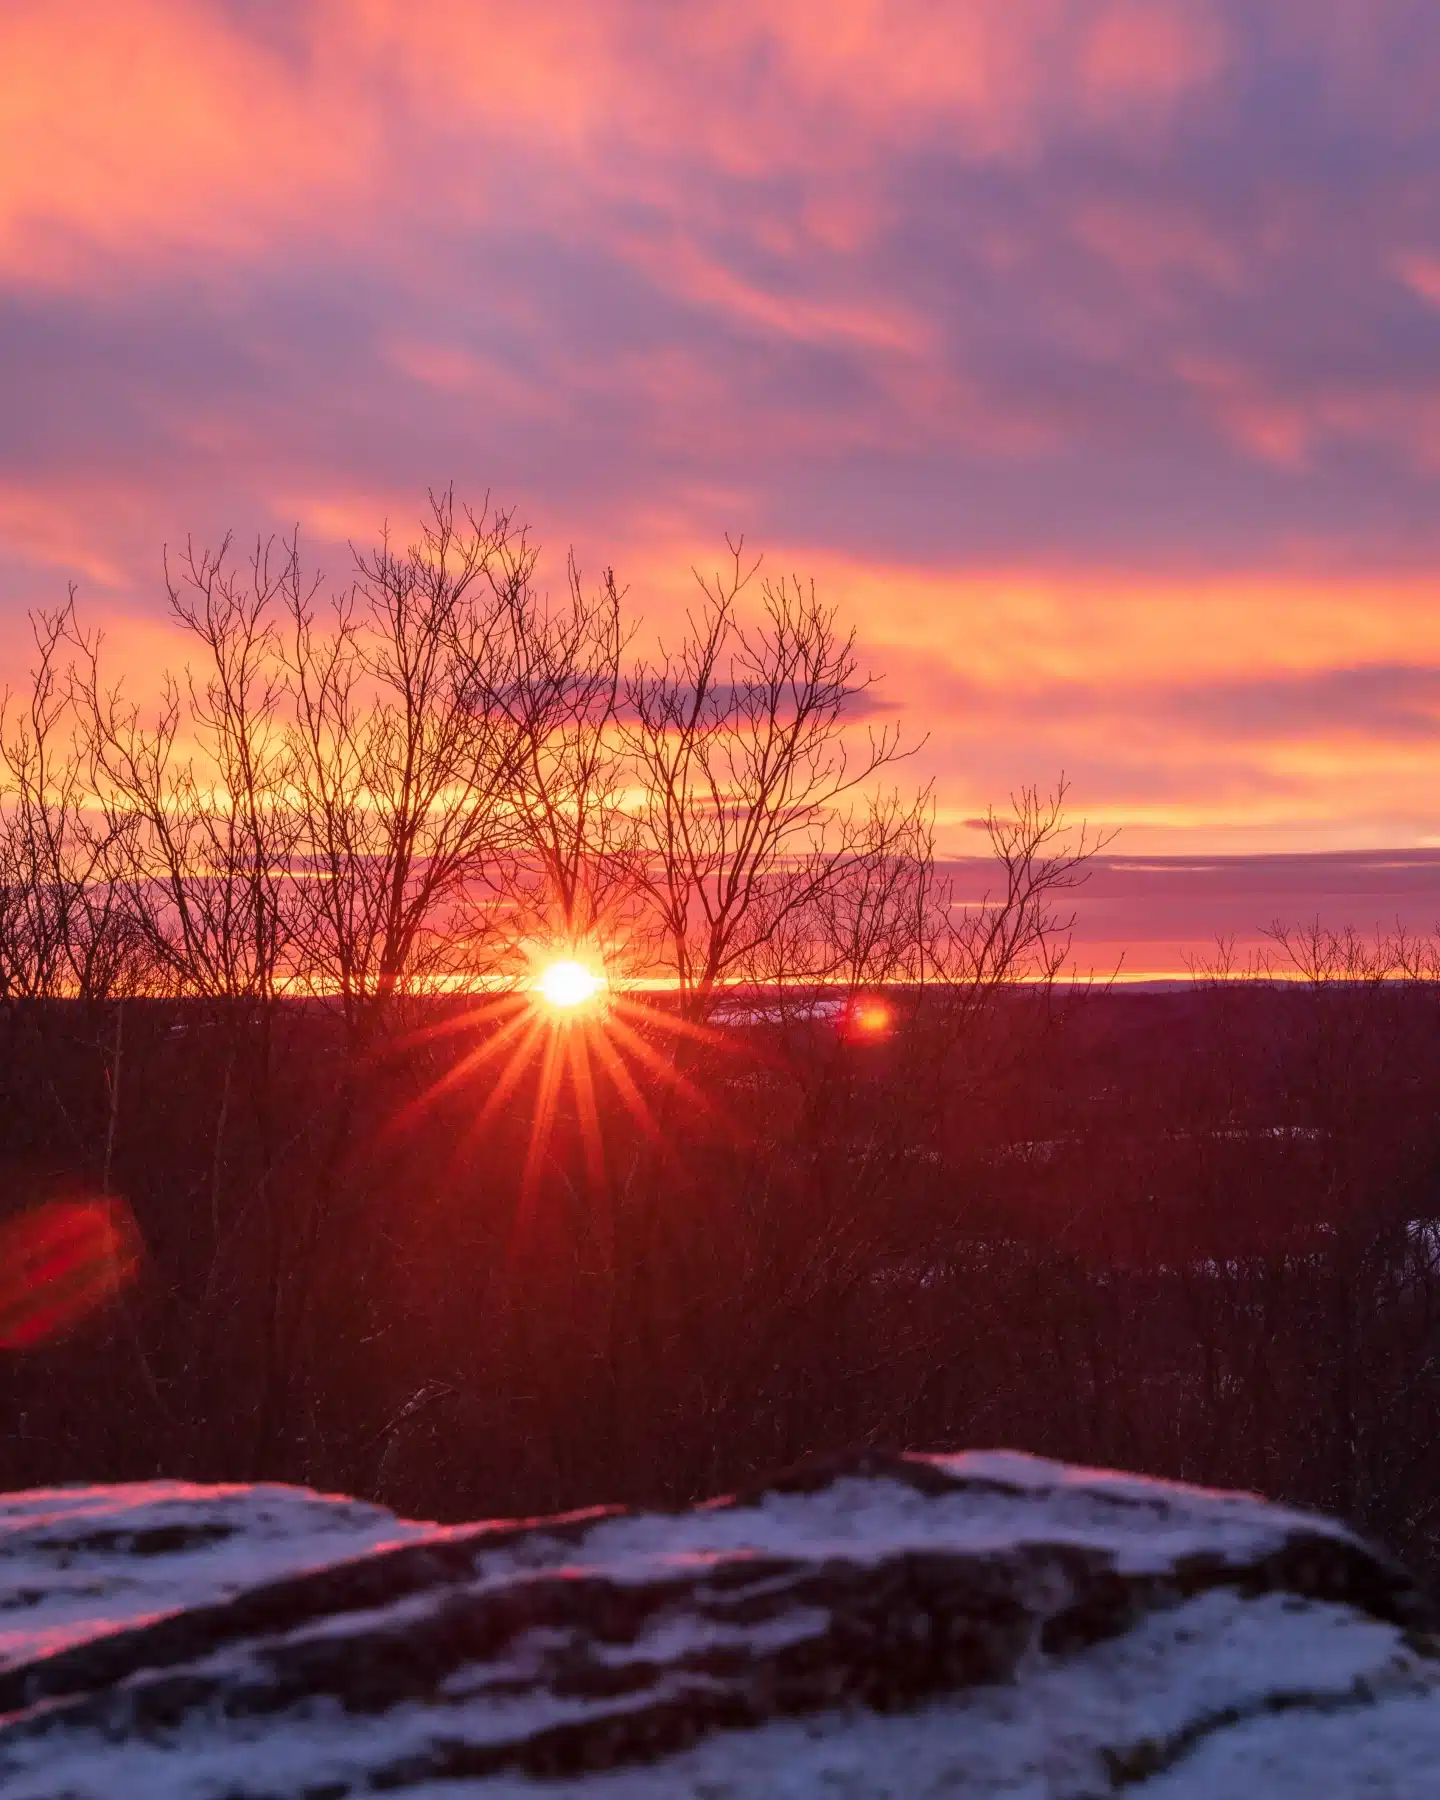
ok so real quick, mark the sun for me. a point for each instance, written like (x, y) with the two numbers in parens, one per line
(567, 984)
(573, 1027)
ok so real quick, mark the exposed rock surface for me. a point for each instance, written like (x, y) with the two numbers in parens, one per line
(985, 1624)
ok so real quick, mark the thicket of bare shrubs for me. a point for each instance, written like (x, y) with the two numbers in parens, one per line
(394, 787)
(250, 940)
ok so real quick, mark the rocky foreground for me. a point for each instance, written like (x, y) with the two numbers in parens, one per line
(986, 1624)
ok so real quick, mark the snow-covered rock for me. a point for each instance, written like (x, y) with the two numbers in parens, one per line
(976, 1625)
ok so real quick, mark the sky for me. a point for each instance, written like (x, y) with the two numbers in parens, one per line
(1085, 352)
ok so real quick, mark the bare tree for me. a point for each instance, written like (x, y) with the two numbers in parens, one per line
(1022, 930)
(876, 915)
(1324, 956)
(743, 766)
(64, 926)
(571, 874)
(199, 831)
(403, 773)
(201, 839)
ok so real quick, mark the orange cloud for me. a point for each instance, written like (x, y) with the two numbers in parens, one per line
(154, 124)
(1131, 685)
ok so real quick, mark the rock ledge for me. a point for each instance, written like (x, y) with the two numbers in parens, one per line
(955, 1625)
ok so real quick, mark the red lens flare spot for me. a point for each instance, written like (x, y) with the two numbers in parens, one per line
(59, 1262)
(870, 1018)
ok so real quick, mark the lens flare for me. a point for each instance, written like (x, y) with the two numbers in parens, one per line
(870, 1018)
(568, 984)
(60, 1262)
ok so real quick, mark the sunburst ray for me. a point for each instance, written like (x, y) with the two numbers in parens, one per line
(583, 1084)
(469, 1065)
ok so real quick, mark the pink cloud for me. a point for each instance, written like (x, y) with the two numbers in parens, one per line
(155, 125)
(1084, 349)
(166, 123)
(1151, 52)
